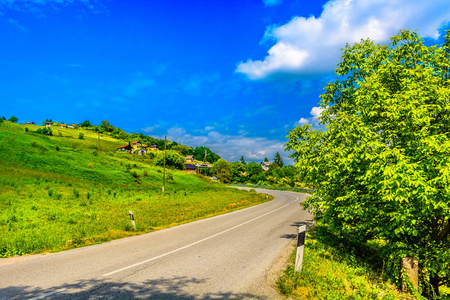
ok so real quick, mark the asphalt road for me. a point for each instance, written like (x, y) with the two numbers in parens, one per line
(224, 257)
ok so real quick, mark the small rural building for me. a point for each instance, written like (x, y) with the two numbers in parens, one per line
(30, 123)
(70, 126)
(190, 168)
(154, 147)
(48, 124)
(190, 158)
(62, 125)
(136, 143)
(127, 148)
(265, 165)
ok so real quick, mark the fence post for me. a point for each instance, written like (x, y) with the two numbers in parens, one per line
(300, 246)
(132, 219)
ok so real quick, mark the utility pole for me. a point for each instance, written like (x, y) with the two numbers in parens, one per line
(98, 143)
(164, 168)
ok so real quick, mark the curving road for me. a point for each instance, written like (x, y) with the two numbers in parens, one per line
(224, 257)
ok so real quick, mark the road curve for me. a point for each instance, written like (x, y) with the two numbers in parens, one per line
(224, 257)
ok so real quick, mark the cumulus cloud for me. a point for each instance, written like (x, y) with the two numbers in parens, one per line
(272, 2)
(316, 112)
(306, 46)
(230, 147)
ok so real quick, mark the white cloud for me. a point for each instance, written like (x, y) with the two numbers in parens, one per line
(316, 112)
(311, 45)
(230, 147)
(272, 2)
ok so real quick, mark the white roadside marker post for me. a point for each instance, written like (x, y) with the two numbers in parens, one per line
(132, 219)
(300, 246)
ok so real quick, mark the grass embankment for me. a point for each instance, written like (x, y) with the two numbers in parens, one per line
(59, 192)
(333, 269)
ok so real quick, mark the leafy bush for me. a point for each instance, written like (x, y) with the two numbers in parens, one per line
(45, 131)
(173, 159)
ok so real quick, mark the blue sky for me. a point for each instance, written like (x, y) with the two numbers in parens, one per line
(234, 76)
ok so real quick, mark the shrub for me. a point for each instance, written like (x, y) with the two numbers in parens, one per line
(81, 136)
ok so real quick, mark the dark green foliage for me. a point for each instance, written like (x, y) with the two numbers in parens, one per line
(45, 131)
(205, 154)
(278, 160)
(81, 136)
(85, 124)
(13, 119)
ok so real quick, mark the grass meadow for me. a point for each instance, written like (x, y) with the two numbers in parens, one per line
(59, 192)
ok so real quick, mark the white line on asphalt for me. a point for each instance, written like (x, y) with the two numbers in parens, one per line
(195, 243)
(48, 294)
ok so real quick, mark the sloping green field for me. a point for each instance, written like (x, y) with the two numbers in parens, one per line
(59, 192)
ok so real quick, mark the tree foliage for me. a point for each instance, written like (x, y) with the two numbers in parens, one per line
(278, 159)
(173, 159)
(222, 170)
(382, 166)
(45, 131)
(199, 154)
(13, 119)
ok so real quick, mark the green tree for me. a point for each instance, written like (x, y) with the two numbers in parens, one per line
(173, 159)
(185, 150)
(81, 136)
(266, 159)
(381, 167)
(254, 169)
(278, 160)
(221, 169)
(199, 154)
(85, 124)
(13, 119)
(242, 160)
(237, 172)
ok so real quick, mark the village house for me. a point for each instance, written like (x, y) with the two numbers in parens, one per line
(48, 124)
(265, 165)
(190, 168)
(190, 158)
(127, 148)
(154, 147)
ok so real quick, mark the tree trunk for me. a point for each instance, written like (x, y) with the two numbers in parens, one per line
(431, 291)
(434, 281)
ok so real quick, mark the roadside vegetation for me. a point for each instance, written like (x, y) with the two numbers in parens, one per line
(381, 166)
(73, 188)
(335, 269)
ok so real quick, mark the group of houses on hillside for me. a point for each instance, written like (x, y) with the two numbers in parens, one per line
(137, 147)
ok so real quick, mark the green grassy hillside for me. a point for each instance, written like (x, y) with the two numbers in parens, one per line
(59, 192)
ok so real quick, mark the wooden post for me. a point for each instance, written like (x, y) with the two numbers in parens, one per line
(164, 168)
(300, 247)
(410, 266)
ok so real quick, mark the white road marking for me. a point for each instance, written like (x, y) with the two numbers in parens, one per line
(195, 243)
(48, 294)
